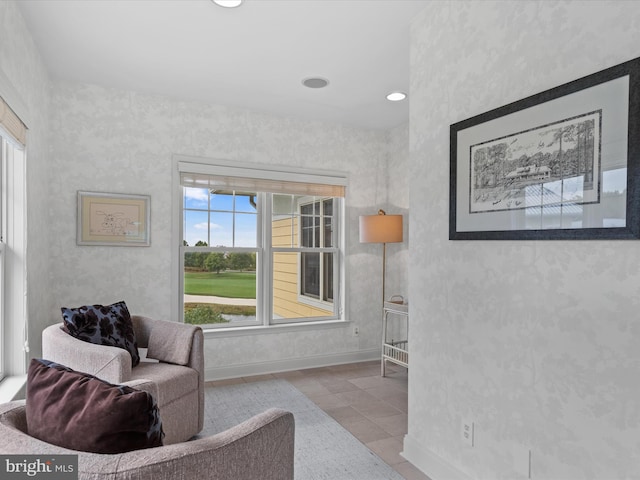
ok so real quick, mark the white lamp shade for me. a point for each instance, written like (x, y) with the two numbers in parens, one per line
(381, 228)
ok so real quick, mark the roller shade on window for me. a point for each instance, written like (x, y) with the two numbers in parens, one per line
(212, 177)
(12, 124)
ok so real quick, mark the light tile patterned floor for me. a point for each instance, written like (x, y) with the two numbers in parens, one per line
(371, 407)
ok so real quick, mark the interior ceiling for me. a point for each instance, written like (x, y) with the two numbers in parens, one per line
(253, 57)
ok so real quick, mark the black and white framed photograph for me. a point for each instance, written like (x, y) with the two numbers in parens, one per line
(562, 164)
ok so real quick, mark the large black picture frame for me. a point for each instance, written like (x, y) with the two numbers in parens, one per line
(562, 164)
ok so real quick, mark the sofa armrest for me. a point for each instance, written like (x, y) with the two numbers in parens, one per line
(112, 364)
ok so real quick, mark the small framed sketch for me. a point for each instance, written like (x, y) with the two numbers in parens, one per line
(113, 219)
(562, 164)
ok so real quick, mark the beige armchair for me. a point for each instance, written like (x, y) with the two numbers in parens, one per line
(178, 388)
(261, 448)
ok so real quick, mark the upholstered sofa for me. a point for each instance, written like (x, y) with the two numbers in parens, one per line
(176, 381)
(261, 448)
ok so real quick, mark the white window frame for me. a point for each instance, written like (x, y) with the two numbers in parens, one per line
(264, 251)
(320, 302)
(12, 257)
(3, 233)
(337, 305)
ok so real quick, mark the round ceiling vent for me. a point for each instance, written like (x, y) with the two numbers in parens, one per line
(315, 82)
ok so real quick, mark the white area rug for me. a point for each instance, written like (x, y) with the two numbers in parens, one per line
(324, 450)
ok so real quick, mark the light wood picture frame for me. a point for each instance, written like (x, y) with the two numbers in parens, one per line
(113, 219)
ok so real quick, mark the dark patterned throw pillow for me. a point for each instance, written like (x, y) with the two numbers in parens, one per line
(103, 325)
(79, 411)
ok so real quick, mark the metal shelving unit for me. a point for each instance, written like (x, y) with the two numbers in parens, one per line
(395, 351)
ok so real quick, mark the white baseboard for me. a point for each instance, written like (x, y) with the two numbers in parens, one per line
(286, 365)
(432, 465)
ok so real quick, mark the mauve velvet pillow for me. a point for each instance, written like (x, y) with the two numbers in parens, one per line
(103, 325)
(78, 411)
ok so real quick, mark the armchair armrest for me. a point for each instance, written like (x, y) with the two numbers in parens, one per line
(144, 385)
(112, 364)
(178, 337)
(260, 448)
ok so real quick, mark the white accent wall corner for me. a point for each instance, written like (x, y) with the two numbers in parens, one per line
(536, 342)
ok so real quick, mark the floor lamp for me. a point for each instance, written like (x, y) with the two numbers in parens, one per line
(381, 228)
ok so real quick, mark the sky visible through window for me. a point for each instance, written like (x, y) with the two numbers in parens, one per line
(210, 218)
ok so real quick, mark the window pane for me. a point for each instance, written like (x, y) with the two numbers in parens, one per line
(307, 232)
(306, 209)
(316, 232)
(234, 201)
(284, 232)
(246, 202)
(2, 339)
(310, 222)
(285, 283)
(196, 228)
(288, 304)
(327, 206)
(327, 277)
(222, 201)
(196, 198)
(328, 223)
(284, 223)
(283, 205)
(3, 237)
(221, 229)
(220, 288)
(310, 278)
(246, 230)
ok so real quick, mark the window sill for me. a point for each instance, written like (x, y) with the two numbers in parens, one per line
(278, 328)
(315, 302)
(10, 387)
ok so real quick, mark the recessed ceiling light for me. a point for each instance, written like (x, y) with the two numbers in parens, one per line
(315, 82)
(396, 96)
(228, 3)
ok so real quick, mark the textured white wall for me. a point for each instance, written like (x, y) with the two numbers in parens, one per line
(118, 141)
(537, 342)
(22, 67)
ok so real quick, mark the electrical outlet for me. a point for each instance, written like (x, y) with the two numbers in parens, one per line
(356, 331)
(467, 432)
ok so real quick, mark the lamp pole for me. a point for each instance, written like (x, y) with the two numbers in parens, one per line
(381, 228)
(384, 270)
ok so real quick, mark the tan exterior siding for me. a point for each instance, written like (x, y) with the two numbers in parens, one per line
(286, 270)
